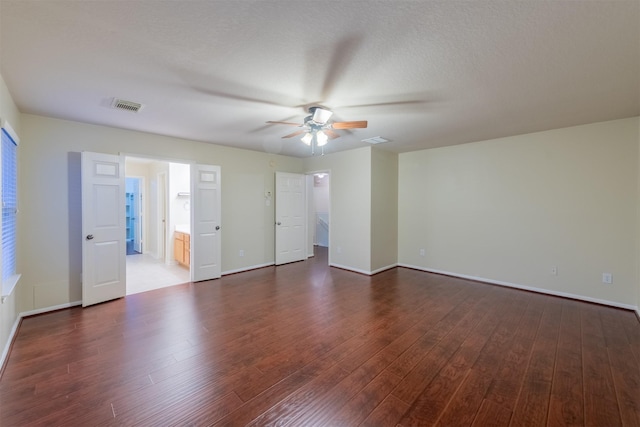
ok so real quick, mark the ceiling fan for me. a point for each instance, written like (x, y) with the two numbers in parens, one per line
(317, 128)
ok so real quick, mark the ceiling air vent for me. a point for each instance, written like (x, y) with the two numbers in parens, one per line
(121, 104)
(375, 140)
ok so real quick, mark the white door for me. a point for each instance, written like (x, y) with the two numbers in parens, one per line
(290, 217)
(103, 228)
(205, 222)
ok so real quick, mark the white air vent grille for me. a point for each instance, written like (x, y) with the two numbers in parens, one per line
(121, 104)
(375, 140)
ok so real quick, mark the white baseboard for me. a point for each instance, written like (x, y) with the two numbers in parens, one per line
(14, 329)
(345, 267)
(365, 272)
(252, 267)
(381, 269)
(48, 309)
(7, 346)
(526, 288)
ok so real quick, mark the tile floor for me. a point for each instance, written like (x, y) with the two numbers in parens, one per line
(145, 273)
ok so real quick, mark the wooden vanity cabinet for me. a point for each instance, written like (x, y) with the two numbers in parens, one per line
(182, 248)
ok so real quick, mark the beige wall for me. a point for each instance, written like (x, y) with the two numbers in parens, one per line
(50, 237)
(384, 209)
(350, 205)
(638, 228)
(510, 209)
(9, 308)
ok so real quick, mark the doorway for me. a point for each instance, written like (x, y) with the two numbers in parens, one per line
(318, 188)
(134, 214)
(163, 201)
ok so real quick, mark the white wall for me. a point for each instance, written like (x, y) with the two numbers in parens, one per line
(179, 206)
(9, 308)
(156, 227)
(50, 236)
(350, 206)
(510, 209)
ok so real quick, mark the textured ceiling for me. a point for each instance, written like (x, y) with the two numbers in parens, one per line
(423, 73)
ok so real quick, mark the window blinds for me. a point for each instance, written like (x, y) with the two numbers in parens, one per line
(9, 204)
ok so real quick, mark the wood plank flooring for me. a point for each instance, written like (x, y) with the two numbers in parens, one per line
(307, 345)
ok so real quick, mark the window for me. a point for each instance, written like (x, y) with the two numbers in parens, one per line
(9, 161)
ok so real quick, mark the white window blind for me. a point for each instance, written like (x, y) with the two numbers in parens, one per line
(9, 204)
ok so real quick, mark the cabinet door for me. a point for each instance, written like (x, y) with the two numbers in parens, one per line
(187, 250)
(178, 248)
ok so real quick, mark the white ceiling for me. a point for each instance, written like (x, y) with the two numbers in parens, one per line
(450, 72)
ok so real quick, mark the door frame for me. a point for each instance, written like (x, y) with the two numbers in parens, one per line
(164, 237)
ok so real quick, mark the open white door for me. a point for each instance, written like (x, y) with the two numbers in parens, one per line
(205, 222)
(103, 228)
(290, 217)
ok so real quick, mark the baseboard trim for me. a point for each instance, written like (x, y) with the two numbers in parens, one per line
(355, 270)
(16, 325)
(523, 287)
(381, 269)
(365, 272)
(9, 344)
(252, 267)
(48, 309)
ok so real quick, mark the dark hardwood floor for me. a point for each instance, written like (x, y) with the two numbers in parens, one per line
(304, 344)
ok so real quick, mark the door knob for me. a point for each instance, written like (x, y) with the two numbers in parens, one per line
(278, 223)
(89, 236)
(217, 227)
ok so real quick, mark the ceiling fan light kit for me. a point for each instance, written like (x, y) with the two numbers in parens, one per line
(320, 115)
(317, 128)
(307, 138)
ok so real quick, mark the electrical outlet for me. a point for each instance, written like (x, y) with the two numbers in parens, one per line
(607, 278)
(422, 252)
(241, 253)
(339, 249)
(554, 271)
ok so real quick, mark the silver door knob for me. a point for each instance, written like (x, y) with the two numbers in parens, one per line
(90, 237)
(217, 227)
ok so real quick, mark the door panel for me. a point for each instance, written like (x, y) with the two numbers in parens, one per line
(206, 224)
(290, 218)
(103, 228)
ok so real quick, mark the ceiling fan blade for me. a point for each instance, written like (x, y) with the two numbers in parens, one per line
(331, 134)
(350, 125)
(296, 133)
(284, 123)
(343, 53)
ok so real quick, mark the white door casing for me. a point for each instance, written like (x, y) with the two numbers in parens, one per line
(205, 223)
(290, 217)
(103, 228)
